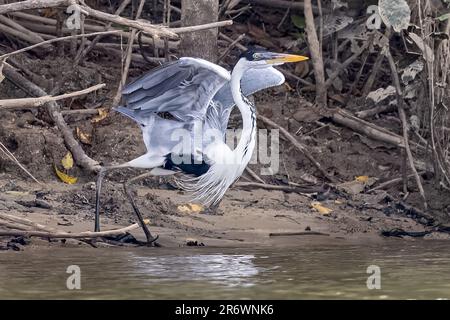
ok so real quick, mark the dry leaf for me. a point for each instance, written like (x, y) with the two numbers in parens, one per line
(362, 179)
(102, 114)
(395, 13)
(320, 208)
(84, 137)
(190, 208)
(357, 186)
(428, 53)
(67, 161)
(64, 177)
(381, 94)
(411, 71)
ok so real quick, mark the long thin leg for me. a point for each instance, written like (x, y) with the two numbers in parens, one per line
(148, 235)
(126, 185)
(100, 177)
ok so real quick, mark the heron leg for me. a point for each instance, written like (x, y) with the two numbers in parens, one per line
(126, 185)
(100, 177)
(214, 209)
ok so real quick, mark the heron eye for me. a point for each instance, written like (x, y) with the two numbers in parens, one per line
(256, 56)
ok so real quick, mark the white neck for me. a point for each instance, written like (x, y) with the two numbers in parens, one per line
(247, 140)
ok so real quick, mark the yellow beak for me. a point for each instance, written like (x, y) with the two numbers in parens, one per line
(284, 58)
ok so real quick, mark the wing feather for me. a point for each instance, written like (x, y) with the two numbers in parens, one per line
(183, 88)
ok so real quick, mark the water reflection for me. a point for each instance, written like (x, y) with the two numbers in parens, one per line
(409, 270)
(229, 270)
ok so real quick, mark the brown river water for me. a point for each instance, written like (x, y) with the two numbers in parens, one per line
(408, 270)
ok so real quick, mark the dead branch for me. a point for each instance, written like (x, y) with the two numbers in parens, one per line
(129, 52)
(95, 41)
(25, 103)
(60, 234)
(302, 148)
(372, 131)
(47, 25)
(300, 233)
(392, 182)
(32, 4)
(202, 27)
(254, 175)
(316, 54)
(156, 31)
(26, 222)
(53, 109)
(6, 55)
(364, 114)
(295, 189)
(402, 114)
(8, 153)
(24, 32)
(283, 4)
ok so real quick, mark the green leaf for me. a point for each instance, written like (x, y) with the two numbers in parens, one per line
(298, 21)
(444, 17)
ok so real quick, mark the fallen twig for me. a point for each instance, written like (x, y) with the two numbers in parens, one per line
(391, 182)
(254, 175)
(8, 153)
(316, 54)
(301, 233)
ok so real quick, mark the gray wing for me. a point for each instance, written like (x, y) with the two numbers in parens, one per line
(254, 80)
(183, 88)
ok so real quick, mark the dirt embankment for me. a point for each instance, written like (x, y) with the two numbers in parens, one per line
(248, 217)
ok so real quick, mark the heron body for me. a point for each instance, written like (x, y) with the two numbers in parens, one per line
(199, 96)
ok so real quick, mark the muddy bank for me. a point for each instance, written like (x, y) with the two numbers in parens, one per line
(248, 217)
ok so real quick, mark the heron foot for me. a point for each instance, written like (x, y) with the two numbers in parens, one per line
(213, 211)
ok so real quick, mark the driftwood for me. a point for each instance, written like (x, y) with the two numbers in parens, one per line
(60, 234)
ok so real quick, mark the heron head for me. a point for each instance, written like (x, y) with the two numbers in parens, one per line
(255, 58)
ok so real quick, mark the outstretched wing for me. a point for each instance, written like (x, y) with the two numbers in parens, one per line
(184, 88)
(254, 80)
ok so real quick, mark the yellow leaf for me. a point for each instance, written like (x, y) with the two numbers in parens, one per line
(321, 209)
(84, 137)
(65, 178)
(190, 208)
(102, 114)
(362, 179)
(67, 161)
